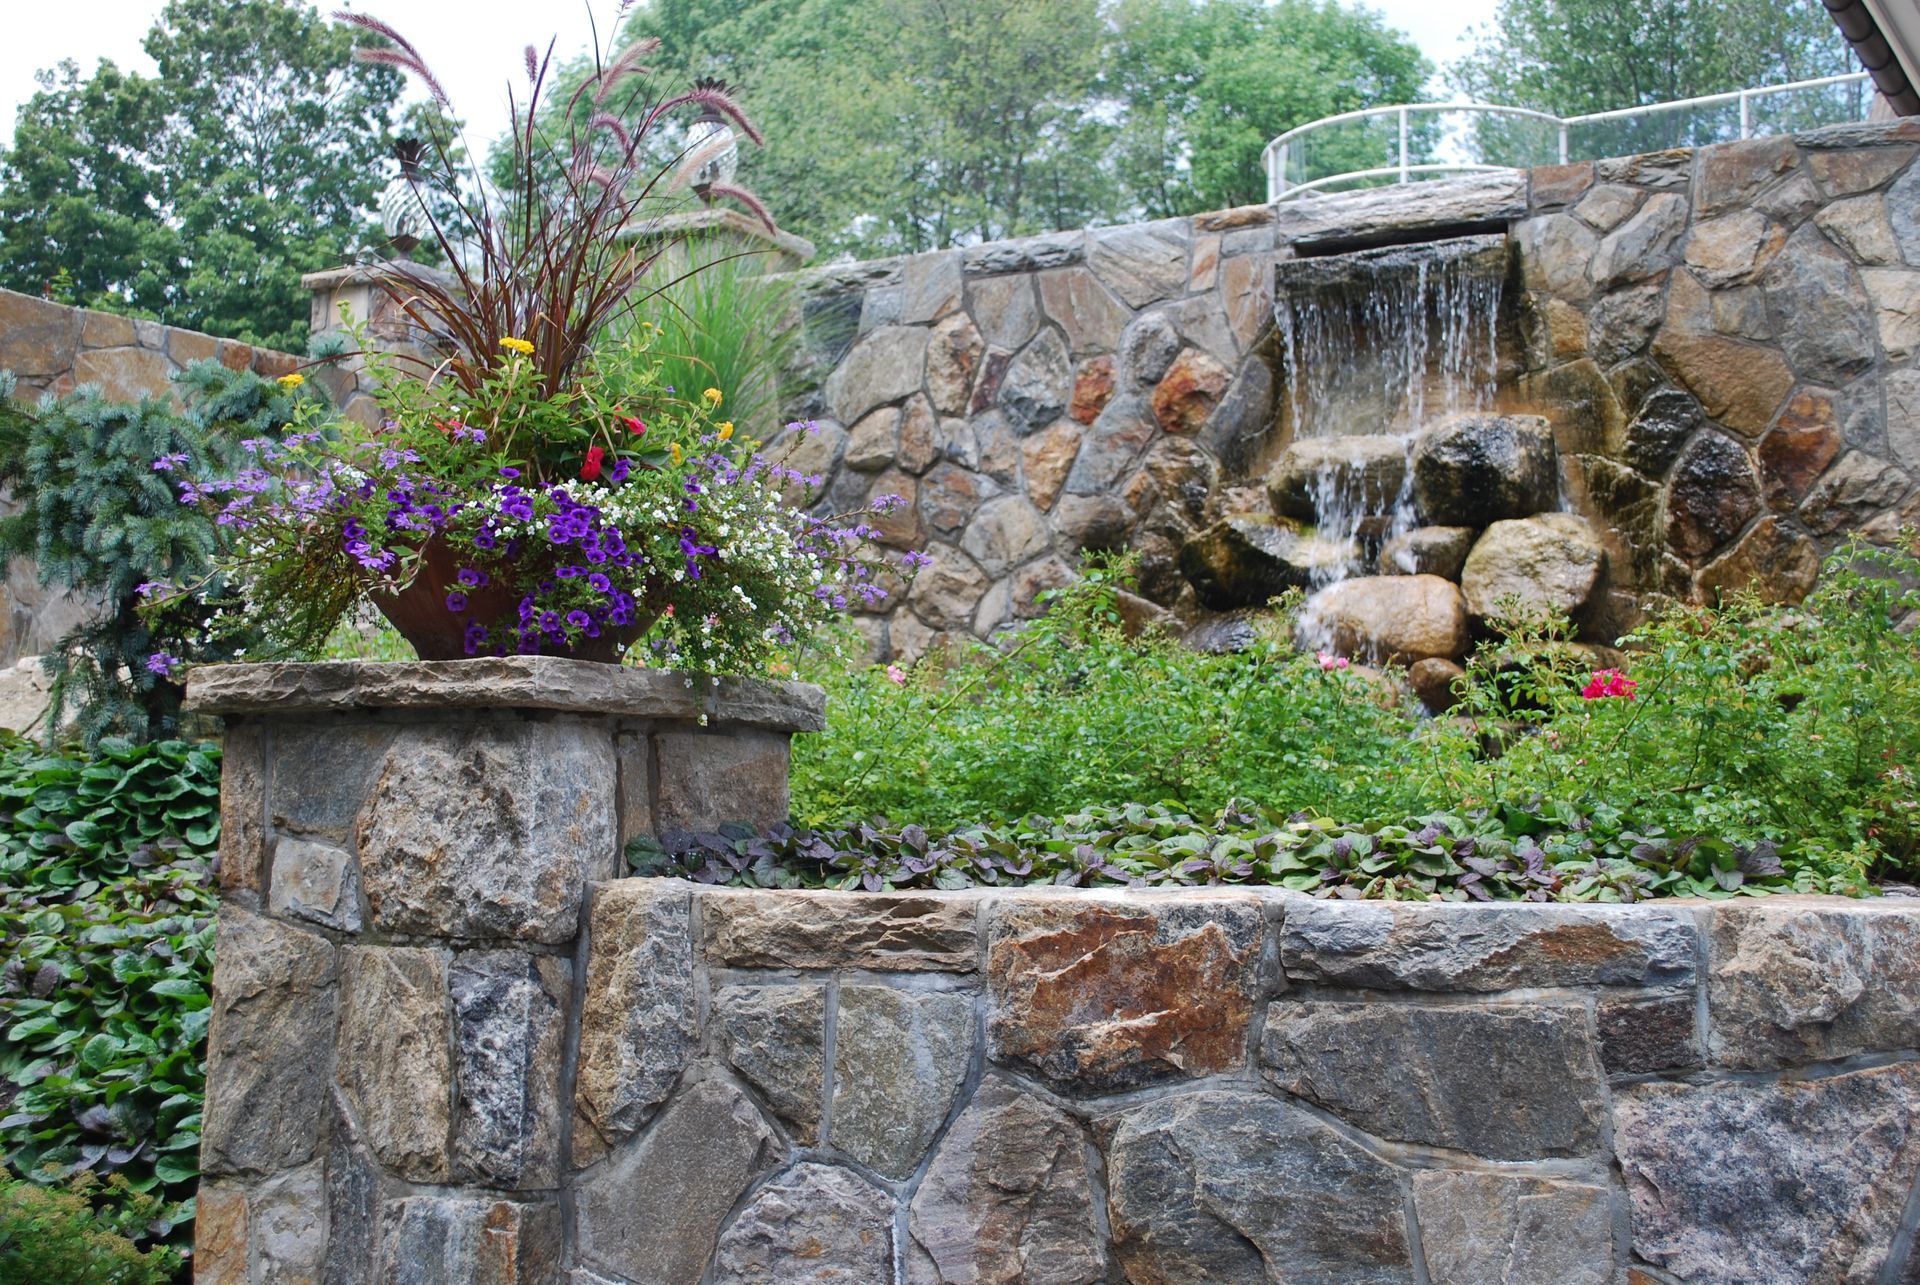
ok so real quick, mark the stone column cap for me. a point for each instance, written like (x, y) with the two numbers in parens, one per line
(503, 682)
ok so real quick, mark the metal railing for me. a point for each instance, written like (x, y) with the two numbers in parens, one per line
(1406, 141)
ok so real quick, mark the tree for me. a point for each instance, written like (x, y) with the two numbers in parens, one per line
(199, 196)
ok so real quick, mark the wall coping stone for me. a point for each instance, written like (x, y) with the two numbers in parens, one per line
(504, 682)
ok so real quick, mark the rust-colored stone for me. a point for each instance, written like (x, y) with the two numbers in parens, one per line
(1803, 441)
(186, 346)
(1560, 184)
(1092, 999)
(1240, 216)
(1188, 392)
(220, 1235)
(1092, 390)
(986, 390)
(235, 355)
(1047, 457)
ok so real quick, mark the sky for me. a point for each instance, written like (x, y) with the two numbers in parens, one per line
(474, 45)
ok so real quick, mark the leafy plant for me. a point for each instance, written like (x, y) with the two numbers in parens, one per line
(106, 920)
(55, 1236)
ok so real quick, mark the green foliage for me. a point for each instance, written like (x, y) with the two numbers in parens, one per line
(106, 920)
(200, 195)
(57, 1237)
(99, 518)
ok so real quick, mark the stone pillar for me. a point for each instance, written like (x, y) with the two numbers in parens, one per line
(714, 233)
(405, 864)
(355, 289)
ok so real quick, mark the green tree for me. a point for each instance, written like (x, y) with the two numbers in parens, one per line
(200, 195)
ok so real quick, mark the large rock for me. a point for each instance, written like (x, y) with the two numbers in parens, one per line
(270, 1041)
(1234, 1186)
(1004, 533)
(1384, 620)
(1642, 247)
(638, 1023)
(1318, 477)
(1007, 1200)
(1713, 493)
(1794, 983)
(1143, 262)
(1509, 1082)
(510, 1027)
(1482, 1228)
(1470, 470)
(395, 1063)
(1428, 551)
(652, 1214)
(895, 932)
(1552, 561)
(1827, 324)
(1770, 1183)
(775, 1037)
(1038, 384)
(814, 1223)
(899, 1058)
(491, 831)
(1096, 999)
(884, 366)
(1245, 561)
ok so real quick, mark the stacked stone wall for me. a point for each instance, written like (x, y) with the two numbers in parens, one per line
(1723, 340)
(448, 1044)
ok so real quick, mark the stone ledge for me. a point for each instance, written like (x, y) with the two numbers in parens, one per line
(509, 682)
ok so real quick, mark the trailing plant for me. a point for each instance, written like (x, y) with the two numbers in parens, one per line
(106, 919)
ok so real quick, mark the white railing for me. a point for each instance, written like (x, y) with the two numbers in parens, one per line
(1415, 140)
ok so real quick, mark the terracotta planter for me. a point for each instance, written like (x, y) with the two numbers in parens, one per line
(420, 613)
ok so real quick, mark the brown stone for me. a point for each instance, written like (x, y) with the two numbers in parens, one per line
(707, 779)
(919, 446)
(950, 495)
(106, 330)
(1802, 443)
(1559, 184)
(1246, 290)
(1097, 999)
(188, 346)
(1091, 317)
(220, 1235)
(1733, 249)
(1188, 392)
(1205, 264)
(1434, 682)
(125, 374)
(1608, 206)
(1896, 302)
(900, 525)
(1034, 580)
(896, 932)
(986, 389)
(1739, 384)
(1861, 228)
(1092, 389)
(953, 358)
(1730, 174)
(395, 1061)
(1857, 169)
(1240, 216)
(1555, 250)
(1393, 620)
(38, 339)
(1642, 1034)
(947, 593)
(235, 355)
(1046, 457)
(872, 442)
(1852, 493)
(243, 808)
(1712, 494)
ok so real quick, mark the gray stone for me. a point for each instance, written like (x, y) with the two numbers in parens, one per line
(1388, 620)
(884, 366)
(1470, 470)
(1143, 263)
(1860, 226)
(1606, 206)
(1427, 551)
(1852, 493)
(1903, 211)
(1246, 561)
(353, 1206)
(1826, 322)
(1795, 983)
(880, 306)
(1147, 348)
(946, 593)
(1385, 214)
(814, 1223)
(1234, 1186)
(1642, 247)
(1439, 946)
(1550, 562)
(1005, 309)
(487, 830)
(269, 1045)
(1111, 446)
(1007, 1200)
(1903, 417)
(872, 442)
(1555, 250)
(1509, 1082)
(1005, 533)
(287, 1227)
(652, 1213)
(1320, 477)
(322, 771)
(1770, 1183)
(509, 1022)
(775, 1036)
(899, 1058)
(1092, 522)
(316, 882)
(1734, 248)
(1664, 422)
(243, 808)
(1493, 1229)
(1029, 254)
(931, 286)
(1084, 309)
(395, 1062)
(710, 778)
(638, 1024)
(894, 932)
(445, 1240)
(634, 753)
(1896, 301)
(1039, 383)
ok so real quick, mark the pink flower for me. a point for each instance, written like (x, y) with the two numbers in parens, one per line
(896, 675)
(1331, 662)
(1608, 683)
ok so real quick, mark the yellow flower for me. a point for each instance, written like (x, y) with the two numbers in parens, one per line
(292, 381)
(713, 396)
(520, 346)
(726, 430)
(674, 449)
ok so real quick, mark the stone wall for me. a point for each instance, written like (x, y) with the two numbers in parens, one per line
(449, 1044)
(1722, 339)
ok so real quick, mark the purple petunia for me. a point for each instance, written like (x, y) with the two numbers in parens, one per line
(456, 601)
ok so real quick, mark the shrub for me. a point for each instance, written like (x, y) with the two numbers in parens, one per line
(54, 1236)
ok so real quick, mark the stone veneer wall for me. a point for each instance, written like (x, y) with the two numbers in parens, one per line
(1723, 339)
(448, 1044)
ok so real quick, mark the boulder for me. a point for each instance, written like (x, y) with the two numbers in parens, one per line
(1549, 562)
(1319, 476)
(1245, 561)
(1470, 470)
(1388, 619)
(1427, 551)
(1433, 680)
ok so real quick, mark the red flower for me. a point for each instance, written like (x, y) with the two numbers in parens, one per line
(591, 469)
(1608, 683)
(635, 427)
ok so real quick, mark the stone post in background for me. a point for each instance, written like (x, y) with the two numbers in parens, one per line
(356, 289)
(405, 864)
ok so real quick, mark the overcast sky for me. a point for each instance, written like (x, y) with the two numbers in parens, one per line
(473, 45)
